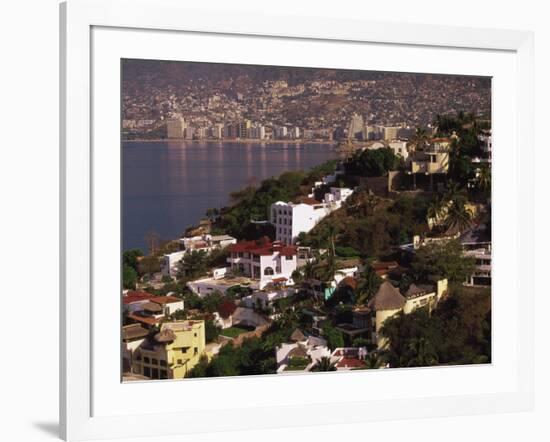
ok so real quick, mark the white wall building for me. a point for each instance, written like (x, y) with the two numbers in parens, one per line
(265, 298)
(217, 131)
(399, 148)
(292, 219)
(337, 196)
(175, 128)
(263, 260)
(206, 243)
(169, 263)
(281, 132)
(390, 132)
(312, 348)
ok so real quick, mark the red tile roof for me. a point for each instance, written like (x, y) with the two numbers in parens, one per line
(164, 299)
(143, 319)
(134, 296)
(309, 201)
(350, 363)
(263, 247)
(282, 279)
(349, 281)
(384, 265)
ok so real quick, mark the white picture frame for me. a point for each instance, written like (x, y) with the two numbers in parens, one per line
(79, 418)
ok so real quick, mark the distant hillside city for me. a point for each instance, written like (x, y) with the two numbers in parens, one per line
(198, 101)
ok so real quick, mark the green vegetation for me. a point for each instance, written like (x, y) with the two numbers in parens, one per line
(297, 363)
(467, 127)
(130, 258)
(442, 260)
(251, 358)
(334, 338)
(324, 364)
(372, 226)
(371, 162)
(193, 264)
(211, 331)
(130, 268)
(369, 284)
(234, 331)
(129, 277)
(457, 332)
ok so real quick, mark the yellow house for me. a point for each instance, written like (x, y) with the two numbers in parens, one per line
(389, 301)
(172, 352)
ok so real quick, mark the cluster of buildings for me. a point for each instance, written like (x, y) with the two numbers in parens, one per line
(202, 243)
(178, 128)
(305, 352)
(148, 310)
(157, 346)
(169, 353)
(320, 103)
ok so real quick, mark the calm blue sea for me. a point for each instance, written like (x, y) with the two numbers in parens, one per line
(168, 185)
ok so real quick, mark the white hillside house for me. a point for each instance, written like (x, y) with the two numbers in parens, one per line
(263, 260)
(291, 219)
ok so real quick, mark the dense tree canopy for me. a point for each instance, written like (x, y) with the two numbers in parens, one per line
(457, 332)
(442, 260)
(371, 226)
(129, 277)
(371, 162)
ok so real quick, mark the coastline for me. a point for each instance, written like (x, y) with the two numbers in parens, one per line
(236, 141)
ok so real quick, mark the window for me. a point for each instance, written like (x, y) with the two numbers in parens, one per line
(154, 361)
(268, 271)
(162, 363)
(195, 351)
(146, 360)
(288, 257)
(195, 335)
(147, 372)
(155, 373)
(180, 361)
(163, 374)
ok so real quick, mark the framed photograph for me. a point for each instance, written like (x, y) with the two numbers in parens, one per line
(286, 220)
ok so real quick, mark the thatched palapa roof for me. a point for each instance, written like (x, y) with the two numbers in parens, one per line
(165, 335)
(387, 298)
(297, 335)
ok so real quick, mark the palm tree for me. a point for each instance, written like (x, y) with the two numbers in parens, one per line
(435, 209)
(288, 319)
(458, 217)
(329, 258)
(369, 285)
(324, 364)
(419, 140)
(374, 360)
(423, 354)
(484, 178)
(454, 192)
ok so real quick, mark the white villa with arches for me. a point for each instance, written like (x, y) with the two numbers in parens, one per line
(263, 260)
